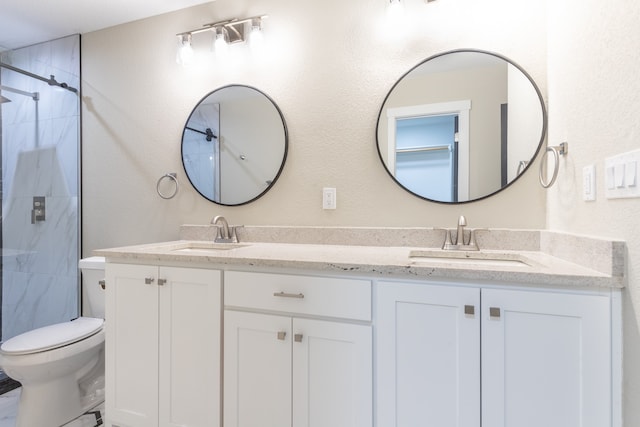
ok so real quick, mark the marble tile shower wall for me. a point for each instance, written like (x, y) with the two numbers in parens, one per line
(40, 142)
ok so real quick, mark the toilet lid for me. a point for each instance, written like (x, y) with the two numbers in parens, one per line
(53, 336)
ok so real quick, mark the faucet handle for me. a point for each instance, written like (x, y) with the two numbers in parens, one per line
(233, 235)
(218, 233)
(473, 244)
(447, 244)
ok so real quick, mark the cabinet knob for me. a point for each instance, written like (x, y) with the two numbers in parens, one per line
(281, 335)
(494, 312)
(148, 280)
(469, 309)
(162, 282)
(297, 337)
(102, 283)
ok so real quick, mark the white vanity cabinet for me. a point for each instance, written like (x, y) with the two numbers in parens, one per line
(163, 337)
(469, 356)
(297, 351)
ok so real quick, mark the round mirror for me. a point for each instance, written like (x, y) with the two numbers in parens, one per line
(234, 145)
(461, 126)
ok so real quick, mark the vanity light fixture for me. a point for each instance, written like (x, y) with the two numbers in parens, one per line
(225, 33)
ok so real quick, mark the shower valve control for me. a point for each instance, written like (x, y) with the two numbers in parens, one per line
(38, 211)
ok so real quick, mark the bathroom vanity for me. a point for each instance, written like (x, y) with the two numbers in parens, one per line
(315, 331)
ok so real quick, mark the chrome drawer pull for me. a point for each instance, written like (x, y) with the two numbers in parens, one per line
(281, 335)
(162, 282)
(469, 309)
(102, 283)
(297, 337)
(148, 280)
(287, 295)
(494, 312)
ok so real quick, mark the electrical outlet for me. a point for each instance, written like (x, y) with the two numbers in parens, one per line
(589, 183)
(328, 198)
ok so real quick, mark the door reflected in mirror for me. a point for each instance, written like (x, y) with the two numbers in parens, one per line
(234, 145)
(459, 126)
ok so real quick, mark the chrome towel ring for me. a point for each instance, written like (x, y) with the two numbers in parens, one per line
(557, 151)
(170, 176)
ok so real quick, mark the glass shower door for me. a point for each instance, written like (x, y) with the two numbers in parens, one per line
(40, 142)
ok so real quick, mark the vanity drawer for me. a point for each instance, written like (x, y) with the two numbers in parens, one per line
(317, 296)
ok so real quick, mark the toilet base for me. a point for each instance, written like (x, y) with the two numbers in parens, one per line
(44, 405)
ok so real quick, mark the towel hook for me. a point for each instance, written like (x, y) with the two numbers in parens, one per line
(173, 177)
(557, 151)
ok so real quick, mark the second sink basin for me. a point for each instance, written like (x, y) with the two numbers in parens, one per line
(470, 258)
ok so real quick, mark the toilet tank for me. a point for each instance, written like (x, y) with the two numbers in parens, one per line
(92, 270)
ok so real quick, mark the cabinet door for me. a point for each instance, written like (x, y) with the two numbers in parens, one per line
(131, 345)
(189, 357)
(257, 370)
(428, 355)
(545, 359)
(332, 374)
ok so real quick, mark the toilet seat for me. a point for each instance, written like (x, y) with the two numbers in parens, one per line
(52, 337)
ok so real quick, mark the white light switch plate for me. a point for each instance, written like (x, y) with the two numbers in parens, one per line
(621, 175)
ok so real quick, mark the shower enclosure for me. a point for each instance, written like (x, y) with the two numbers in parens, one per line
(40, 145)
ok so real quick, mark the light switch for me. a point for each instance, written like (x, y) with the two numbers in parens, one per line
(619, 175)
(610, 178)
(631, 173)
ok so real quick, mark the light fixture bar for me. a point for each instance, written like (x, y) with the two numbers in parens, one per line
(234, 22)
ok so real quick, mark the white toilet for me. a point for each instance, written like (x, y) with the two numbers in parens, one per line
(61, 367)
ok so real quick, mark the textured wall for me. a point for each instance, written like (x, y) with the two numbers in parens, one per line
(328, 65)
(594, 99)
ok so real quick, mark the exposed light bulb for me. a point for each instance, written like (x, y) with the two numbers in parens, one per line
(256, 38)
(184, 56)
(220, 44)
(395, 10)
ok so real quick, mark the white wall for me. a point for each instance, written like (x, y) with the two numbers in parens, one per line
(594, 101)
(329, 67)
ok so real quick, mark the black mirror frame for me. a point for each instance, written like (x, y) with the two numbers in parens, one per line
(543, 134)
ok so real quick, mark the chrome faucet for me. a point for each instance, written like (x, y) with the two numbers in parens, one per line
(460, 244)
(224, 233)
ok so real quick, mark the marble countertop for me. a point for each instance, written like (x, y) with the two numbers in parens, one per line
(533, 266)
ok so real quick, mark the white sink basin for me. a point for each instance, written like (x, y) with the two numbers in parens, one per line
(470, 258)
(205, 247)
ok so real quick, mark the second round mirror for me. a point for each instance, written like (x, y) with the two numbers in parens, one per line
(461, 126)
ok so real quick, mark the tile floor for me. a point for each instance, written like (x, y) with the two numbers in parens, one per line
(9, 409)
